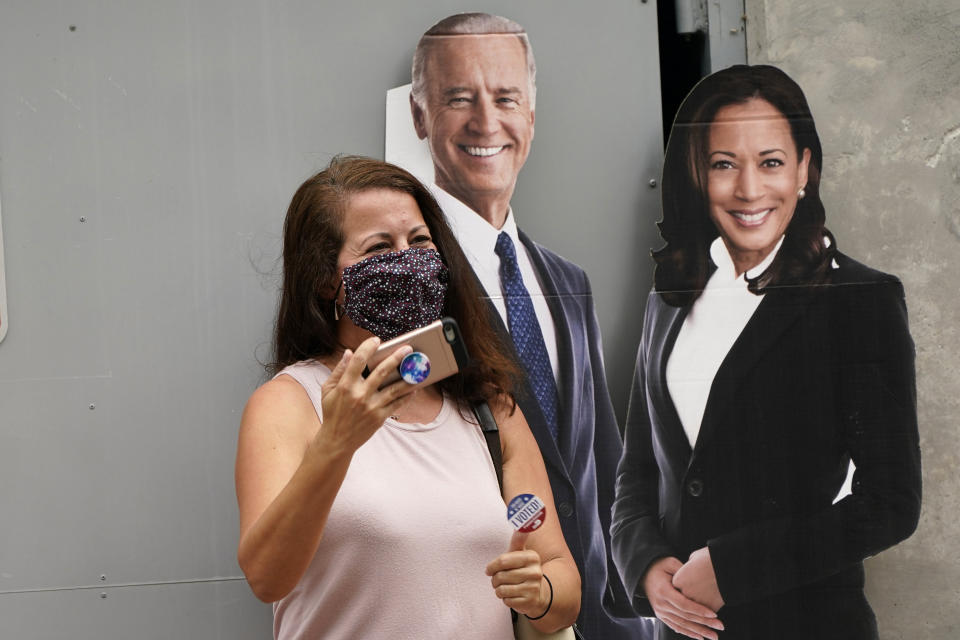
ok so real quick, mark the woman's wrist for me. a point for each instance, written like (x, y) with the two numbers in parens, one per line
(549, 601)
(321, 460)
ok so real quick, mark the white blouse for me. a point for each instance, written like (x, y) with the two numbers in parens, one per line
(714, 323)
(711, 327)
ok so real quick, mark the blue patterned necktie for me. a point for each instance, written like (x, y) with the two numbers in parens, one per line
(525, 331)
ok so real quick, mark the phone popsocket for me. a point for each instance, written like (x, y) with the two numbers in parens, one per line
(526, 512)
(415, 367)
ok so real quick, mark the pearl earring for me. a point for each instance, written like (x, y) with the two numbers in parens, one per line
(801, 193)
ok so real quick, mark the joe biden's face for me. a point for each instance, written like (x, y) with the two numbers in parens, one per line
(476, 115)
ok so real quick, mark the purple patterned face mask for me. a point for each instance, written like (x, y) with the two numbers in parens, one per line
(390, 294)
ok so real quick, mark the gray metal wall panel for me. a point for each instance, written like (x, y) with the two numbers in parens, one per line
(178, 132)
(191, 611)
(727, 37)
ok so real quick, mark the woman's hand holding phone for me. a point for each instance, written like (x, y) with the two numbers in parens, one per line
(354, 407)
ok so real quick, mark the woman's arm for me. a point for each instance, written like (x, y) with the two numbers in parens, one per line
(645, 559)
(290, 466)
(517, 574)
(636, 540)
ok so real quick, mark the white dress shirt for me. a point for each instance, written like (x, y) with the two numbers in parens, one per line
(711, 327)
(477, 238)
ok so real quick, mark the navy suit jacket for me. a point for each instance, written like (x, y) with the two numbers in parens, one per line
(581, 466)
(818, 376)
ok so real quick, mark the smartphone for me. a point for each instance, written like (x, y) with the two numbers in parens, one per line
(438, 353)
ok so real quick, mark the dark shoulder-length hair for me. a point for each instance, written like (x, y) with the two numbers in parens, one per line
(312, 239)
(683, 264)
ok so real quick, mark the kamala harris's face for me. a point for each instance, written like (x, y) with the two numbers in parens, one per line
(754, 178)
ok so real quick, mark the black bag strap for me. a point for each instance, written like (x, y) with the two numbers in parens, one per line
(491, 433)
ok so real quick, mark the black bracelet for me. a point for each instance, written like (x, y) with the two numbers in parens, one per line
(549, 604)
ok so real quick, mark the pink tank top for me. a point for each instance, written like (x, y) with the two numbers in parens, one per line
(403, 553)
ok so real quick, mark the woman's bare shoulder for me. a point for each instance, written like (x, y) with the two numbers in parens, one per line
(280, 406)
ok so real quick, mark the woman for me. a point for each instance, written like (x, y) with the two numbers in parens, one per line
(768, 362)
(369, 513)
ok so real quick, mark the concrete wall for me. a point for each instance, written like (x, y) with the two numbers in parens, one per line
(883, 81)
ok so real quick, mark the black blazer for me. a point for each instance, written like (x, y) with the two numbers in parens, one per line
(819, 376)
(582, 465)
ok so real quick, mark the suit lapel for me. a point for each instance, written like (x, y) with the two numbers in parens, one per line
(669, 321)
(777, 312)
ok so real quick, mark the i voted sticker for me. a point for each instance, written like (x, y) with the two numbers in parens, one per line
(415, 367)
(526, 512)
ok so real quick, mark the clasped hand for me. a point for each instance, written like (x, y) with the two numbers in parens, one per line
(354, 407)
(685, 596)
(517, 578)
